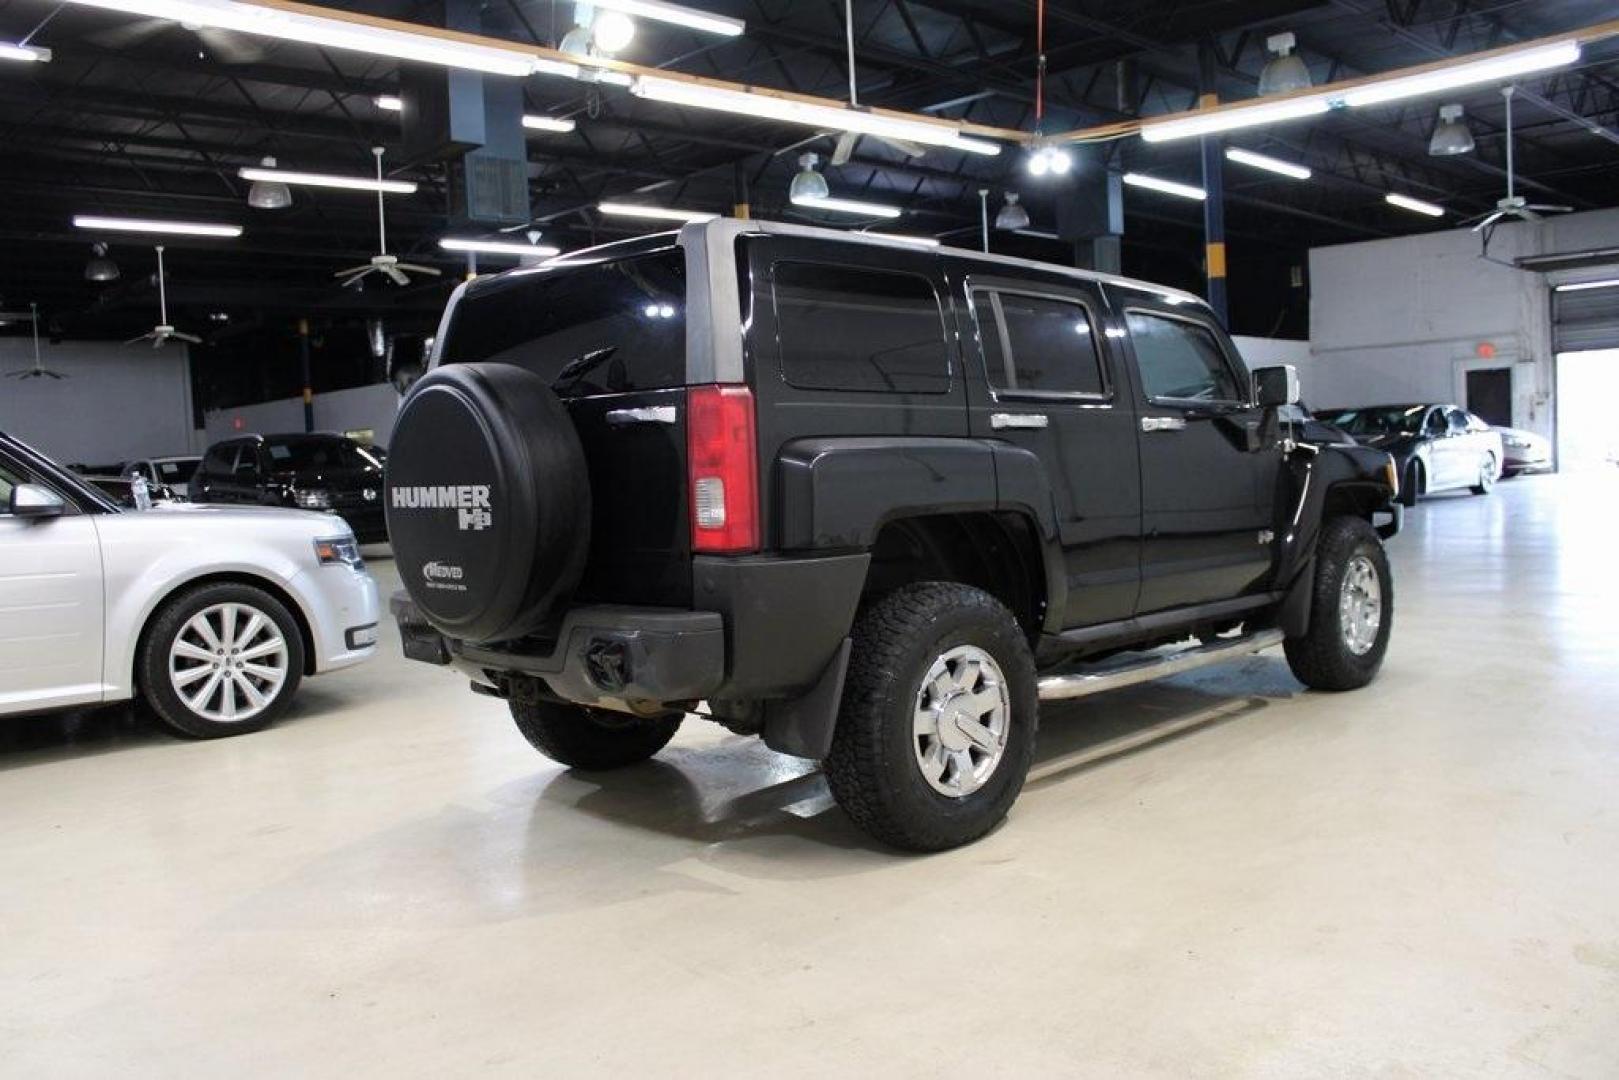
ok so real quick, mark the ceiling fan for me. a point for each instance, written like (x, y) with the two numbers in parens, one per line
(226, 46)
(383, 263)
(847, 141)
(163, 333)
(1514, 205)
(39, 370)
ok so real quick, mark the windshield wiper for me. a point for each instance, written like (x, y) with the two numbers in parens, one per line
(579, 367)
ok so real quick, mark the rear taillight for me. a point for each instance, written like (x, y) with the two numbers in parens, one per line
(722, 462)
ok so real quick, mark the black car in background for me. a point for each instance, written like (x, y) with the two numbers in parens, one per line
(1437, 447)
(310, 472)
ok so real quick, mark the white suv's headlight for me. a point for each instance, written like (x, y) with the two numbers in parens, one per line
(313, 500)
(338, 550)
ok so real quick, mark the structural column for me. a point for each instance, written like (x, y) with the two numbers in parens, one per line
(1213, 149)
(309, 389)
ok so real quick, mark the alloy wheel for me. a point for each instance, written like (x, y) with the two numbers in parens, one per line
(960, 723)
(1360, 605)
(228, 662)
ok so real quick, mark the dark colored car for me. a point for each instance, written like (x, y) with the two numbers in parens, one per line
(310, 472)
(869, 502)
(1525, 452)
(1437, 447)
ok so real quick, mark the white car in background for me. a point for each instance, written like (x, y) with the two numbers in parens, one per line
(213, 615)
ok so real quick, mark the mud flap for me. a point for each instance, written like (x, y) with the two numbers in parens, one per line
(803, 726)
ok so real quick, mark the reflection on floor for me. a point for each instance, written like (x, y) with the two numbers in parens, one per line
(1218, 875)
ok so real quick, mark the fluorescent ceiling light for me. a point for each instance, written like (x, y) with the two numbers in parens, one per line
(144, 225)
(850, 206)
(1168, 187)
(389, 102)
(28, 54)
(920, 241)
(338, 33)
(1466, 73)
(547, 123)
(612, 78)
(351, 183)
(677, 14)
(656, 213)
(1269, 164)
(1234, 119)
(748, 103)
(498, 247)
(1406, 202)
(1581, 286)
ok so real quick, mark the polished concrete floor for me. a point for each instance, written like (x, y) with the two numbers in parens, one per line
(1217, 876)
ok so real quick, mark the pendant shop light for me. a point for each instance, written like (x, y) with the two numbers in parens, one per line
(100, 267)
(269, 194)
(1013, 216)
(1451, 136)
(808, 184)
(1285, 71)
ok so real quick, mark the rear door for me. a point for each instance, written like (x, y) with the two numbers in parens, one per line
(610, 338)
(1054, 388)
(1208, 489)
(51, 605)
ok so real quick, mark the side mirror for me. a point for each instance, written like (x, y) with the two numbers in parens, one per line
(1276, 386)
(33, 501)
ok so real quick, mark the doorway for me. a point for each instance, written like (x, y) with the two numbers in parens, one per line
(1587, 383)
(1489, 395)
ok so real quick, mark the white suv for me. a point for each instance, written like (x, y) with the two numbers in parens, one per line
(212, 615)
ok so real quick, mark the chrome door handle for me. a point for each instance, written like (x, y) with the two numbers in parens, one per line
(651, 414)
(1162, 423)
(1001, 421)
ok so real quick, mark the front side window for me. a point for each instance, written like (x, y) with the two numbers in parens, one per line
(851, 328)
(9, 479)
(1180, 360)
(611, 327)
(1038, 344)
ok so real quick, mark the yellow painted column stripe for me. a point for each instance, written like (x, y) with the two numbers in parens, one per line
(1216, 257)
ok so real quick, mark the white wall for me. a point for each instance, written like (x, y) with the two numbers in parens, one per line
(362, 407)
(118, 402)
(1403, 319)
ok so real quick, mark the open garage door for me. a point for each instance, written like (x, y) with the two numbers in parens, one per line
(1585, 319)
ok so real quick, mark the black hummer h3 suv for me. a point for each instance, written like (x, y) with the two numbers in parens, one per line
(869, 501)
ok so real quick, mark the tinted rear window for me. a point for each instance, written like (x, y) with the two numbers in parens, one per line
(629, 315)
(849, 328)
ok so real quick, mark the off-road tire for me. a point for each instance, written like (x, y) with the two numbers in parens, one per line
(872, 767)
(592, 740)
(152, 659)
(1321, 659)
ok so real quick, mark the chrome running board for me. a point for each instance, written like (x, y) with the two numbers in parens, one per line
(1085, 683)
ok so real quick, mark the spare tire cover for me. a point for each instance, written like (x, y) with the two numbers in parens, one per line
(488, 501)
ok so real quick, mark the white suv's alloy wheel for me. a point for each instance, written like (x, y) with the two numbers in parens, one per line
(960, 722)
(228, 662)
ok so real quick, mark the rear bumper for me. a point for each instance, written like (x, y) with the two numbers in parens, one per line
(767, 630)
(609, 655)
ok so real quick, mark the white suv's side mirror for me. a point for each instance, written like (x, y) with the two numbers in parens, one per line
(33, 501)
(1276, 386)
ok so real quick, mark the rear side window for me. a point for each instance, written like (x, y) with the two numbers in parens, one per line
(851, 328)
(1038, 344)
(1180, 360)
(612, 327)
